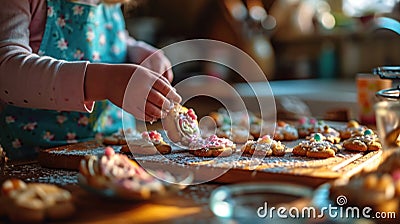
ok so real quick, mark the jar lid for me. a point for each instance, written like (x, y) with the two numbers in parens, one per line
(387, 72)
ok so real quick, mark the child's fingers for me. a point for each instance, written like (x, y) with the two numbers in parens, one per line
(167, 90)
(158, 99)
(153, 111)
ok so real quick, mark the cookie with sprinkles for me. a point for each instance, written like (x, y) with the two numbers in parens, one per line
(264, 146)
(121, 176)
(308, 125)
(236, 134)
(212, 146)
(181, 125)
(150, 143)
(352, 128)
(316, 147)
(368, 141)
(330, 134)
(285, 132)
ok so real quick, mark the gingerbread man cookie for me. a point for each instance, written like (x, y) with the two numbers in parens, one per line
(264, 146)
(316, 147)
(368, 141)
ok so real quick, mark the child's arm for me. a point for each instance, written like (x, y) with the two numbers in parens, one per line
(27, 79)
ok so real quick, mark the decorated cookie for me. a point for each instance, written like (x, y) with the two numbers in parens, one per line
(352, 128)
(367, 141)
(34, 202)
(121, 137)
(181, 125)
(316, 147)
(329, 133)
(259, 129)
(308, 125)
(150, 143)
(285, 132)
(212, 146)
(234, 118)
(264, 146)
(122, 176)
(236, 134)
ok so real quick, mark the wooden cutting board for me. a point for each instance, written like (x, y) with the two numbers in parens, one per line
(232, 169)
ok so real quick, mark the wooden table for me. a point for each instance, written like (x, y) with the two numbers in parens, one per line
(190, 205)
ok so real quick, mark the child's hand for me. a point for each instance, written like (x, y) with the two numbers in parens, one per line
(143, 93)
(151, 58)
(148, 95)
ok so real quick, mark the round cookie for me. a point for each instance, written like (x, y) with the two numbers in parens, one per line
(236, 134)
(368, 141)
(308, 125)
(285, 132)
(181, 125)
(352, 128)
(330, 134)
(264, 146)
(212, 146)
(316, 147)
(151, 143)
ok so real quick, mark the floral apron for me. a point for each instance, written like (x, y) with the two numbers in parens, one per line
(74, 32)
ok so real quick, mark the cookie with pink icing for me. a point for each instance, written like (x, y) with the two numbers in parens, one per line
(308, 125)
(150, 143)
(264, 146)
(120, 175)
(212, 146)
(181, 125)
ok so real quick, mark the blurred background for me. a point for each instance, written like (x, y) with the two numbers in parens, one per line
(289, 39)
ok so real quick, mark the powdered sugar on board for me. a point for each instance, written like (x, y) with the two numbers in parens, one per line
(238, 161)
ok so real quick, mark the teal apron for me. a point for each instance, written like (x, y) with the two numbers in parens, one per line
(74, 32)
